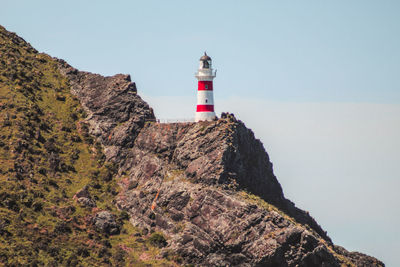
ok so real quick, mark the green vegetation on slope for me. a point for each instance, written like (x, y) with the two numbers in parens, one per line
(46, 156)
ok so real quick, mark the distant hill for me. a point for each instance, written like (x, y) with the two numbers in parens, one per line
(88, 177)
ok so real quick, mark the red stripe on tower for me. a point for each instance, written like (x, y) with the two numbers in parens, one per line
(205, 85)
(205, 108)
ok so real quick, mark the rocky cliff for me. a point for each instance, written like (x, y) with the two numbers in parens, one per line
(195, 193)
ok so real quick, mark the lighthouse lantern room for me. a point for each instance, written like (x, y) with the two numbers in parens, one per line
(205, 98)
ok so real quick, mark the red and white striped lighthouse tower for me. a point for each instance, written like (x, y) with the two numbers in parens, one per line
(205, 98)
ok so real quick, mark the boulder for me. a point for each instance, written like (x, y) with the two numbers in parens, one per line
(83, 197)
(105, 222)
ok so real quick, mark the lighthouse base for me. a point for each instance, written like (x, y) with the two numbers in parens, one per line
(204, 116)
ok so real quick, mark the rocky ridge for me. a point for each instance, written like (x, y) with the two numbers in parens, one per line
(208, 187)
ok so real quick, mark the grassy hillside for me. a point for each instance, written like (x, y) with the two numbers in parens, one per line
(46, 156)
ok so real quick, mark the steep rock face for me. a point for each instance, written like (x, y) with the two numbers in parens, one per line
(223, 153)
(194, 174)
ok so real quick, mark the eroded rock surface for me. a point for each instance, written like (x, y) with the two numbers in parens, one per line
(208, 176)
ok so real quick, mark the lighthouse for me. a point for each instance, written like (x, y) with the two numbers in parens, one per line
(205, 98)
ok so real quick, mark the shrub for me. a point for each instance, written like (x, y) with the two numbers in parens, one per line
(158, 240)
(124, 216)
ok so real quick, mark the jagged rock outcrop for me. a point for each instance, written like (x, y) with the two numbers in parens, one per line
(208, 187)
(115, 113)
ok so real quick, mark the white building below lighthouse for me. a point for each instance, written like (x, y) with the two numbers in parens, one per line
(205, 97)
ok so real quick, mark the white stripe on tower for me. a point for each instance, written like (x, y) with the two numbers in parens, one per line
(205, 97)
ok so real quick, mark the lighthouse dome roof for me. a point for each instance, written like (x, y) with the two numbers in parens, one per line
(205, 57)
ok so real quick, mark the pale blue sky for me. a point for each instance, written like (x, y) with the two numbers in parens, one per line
(318, 82)
(282, 50)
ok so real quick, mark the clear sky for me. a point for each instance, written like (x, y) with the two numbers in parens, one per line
(317, 81)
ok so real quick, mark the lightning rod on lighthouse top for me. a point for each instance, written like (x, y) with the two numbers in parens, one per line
(205, 98)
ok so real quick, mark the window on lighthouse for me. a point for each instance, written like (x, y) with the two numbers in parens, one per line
(206, 86)
(206, 100)
(206, 65)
